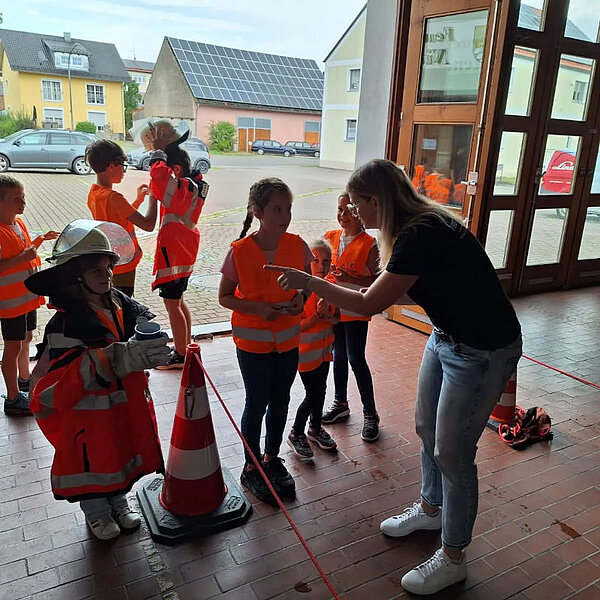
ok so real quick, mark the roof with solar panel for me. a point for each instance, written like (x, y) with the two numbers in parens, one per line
(223, 74)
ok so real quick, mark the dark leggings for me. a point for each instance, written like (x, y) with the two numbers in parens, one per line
(315, 384)
(349, 347)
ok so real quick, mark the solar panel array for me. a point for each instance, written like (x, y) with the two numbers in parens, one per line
(232, 75)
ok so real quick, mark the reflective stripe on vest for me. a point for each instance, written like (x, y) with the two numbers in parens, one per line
(265, 335)
(64, 482)
(170, 190)
(13, 278)
(101, 401)
(169, 271)
(316, 354)
(181, 219)
(10, 304)
(60, 340)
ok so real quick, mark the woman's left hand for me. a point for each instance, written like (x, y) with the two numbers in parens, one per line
(290, 279)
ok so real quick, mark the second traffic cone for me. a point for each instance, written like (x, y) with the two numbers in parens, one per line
(505, 409)
(193, 482)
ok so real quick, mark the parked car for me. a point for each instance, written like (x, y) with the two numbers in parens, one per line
(197, 149)
(304, 148)
(271, 147)
(47, 149)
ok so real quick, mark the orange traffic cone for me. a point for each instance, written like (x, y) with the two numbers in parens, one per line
(197, 496)
(504, 411)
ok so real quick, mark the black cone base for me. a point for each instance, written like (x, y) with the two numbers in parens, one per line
(170, 529)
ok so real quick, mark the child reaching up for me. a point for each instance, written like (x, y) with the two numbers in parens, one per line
(266, 328)
(316, 352)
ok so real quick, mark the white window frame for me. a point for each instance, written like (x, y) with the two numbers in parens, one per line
(580, 91)
(349, 86)
(53, 108)
(90, 83)
(61, 61)
(346, 122)
(44, 99)
(103, 112)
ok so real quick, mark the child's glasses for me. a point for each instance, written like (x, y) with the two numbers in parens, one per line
(122, 164)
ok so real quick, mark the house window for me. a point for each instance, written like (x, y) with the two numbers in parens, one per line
(79, 62)
(53, 118)
(98, 118)
(350, 130)
(95, 93)
(353, 80)
(580, 92)
(51, 91)
(139, 78)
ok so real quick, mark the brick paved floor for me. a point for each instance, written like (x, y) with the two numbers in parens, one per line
(537, 533)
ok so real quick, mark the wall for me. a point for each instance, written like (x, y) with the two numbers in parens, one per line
(339, 103)
(284, 126)
(11, 85)
(376, 80)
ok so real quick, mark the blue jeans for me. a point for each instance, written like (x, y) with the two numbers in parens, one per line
(268, 379)
(102, 508)
(349, 347)
(458, 388)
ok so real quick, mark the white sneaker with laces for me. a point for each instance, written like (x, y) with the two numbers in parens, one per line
(435, 574)
(127, 518)
(104, 529)
(412, 519)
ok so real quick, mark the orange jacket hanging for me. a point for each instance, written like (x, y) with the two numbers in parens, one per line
(316, 342)
(251, 332)
(15, 298)
(353, 260)
(181, 202)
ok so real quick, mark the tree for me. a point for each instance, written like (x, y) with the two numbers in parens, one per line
(221, 135)
(132, 99)
(1, 19)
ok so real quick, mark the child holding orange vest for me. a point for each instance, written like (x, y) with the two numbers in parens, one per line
(266, 328)
(316, 352)
(354, 265)
(18, 306)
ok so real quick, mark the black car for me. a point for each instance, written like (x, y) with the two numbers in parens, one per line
(271, 147)
(305, 148)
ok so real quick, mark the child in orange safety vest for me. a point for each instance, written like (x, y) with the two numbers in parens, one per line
(354, 265)
(266, 328)
(316, 352)
(18, 306)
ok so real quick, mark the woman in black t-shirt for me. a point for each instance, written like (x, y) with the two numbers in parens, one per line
(430, 257)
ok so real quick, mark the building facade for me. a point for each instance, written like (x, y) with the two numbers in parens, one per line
(140, 71)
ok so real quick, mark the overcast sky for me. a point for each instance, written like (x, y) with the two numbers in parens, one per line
(302, 28)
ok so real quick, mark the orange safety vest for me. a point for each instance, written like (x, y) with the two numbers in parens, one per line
(353, 260)
(316, 342)
(430, 184)
(419, 177)
(178, 237)
(441, 192)
(251, 332)
(15, 298)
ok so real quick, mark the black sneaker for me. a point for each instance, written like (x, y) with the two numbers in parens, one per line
(299, 444)
(175, 362)
(19, 407)
(282, 481)
(256, 484)
(24, 384)
(336, 412)
(370, 430)
(322, 439)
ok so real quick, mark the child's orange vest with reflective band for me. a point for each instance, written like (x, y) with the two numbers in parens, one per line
(353, 260)
(251, 332)
(316, 342)
(15, 298)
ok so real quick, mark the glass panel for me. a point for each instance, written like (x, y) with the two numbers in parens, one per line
(440, 162)
(583, 21)
(522, 75)
(532, 14)
(508, 169)
(590, 241)
(547, 236)
(498, 236)
(560, 161)
(596, 177)
(453, 48)
(572, 90)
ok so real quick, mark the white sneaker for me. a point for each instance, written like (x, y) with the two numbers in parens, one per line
(104, 529)
(435, 574)
(127, 519)
(412, 519)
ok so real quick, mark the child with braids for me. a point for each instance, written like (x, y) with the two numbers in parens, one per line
(266, 328)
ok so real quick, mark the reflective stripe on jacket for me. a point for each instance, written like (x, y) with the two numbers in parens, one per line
(15, 298)
(178, 238)
(353, 260)
(316, 342)
(251, 332)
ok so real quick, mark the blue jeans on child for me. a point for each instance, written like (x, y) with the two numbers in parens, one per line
(458, 388)
(315, 385)
(349, 347)
(102, 508)
(268, 379)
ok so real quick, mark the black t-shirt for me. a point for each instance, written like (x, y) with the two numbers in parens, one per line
(457, 287)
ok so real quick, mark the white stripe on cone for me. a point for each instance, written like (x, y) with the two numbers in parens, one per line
(193, 464)
(197, 405)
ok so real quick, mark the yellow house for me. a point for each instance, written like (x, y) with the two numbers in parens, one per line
(61, 81)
